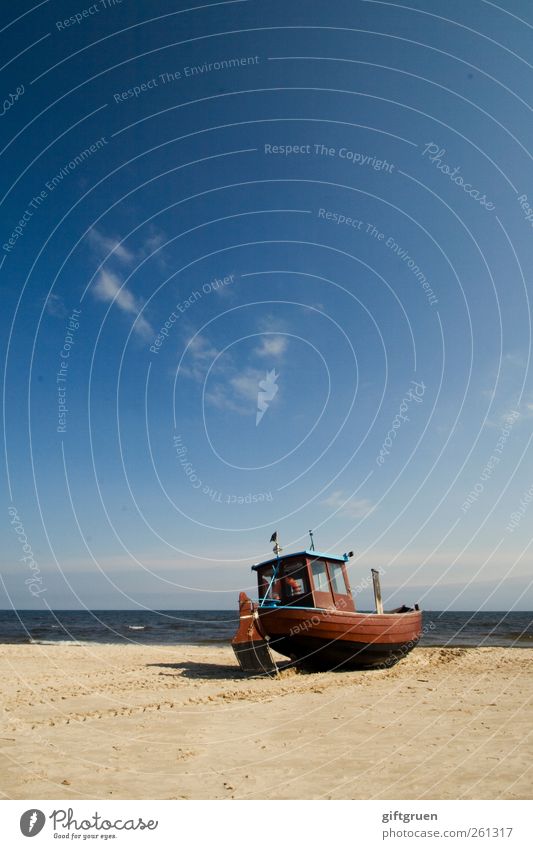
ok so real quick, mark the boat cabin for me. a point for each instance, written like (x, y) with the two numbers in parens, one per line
(305, 579)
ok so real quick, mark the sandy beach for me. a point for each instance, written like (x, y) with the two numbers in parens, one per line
(180, 722)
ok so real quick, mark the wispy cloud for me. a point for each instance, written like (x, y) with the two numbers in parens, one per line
(199, 357)
(236, 391)
(55, 306)
(108, 288)
(155, 239)
(109, 245)
(152, 244)
(506, 388)
(231, 386)
(354, 508)
(220, 398)
(201, 348)
(245, 384)
(272, 346)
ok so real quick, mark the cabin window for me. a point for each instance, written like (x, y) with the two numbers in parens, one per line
(268, 588)
(320, 576)
(323, 596)
(293, 580)
(290, 584)
(338, 584)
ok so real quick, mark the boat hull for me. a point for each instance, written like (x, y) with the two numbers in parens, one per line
(333, 639)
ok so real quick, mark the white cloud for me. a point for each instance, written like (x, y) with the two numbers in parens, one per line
(229, 388)
(154, 240)
(272, 346)
(201, 348)
(237, 392)
(109, 245)
(514, 359)
(222, 400)
(152, 246)
(198, 358)
(505, 389)
(55, 306)
(108, 288)
(355, 508)
(245, 385)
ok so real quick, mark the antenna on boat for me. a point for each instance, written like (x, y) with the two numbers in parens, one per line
(312, 546)
(277, 547)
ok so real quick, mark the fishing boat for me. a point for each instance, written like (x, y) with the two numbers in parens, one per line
(306, 612)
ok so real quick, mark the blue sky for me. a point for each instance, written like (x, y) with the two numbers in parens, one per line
(266, 267)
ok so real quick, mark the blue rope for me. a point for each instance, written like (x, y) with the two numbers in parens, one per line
(274, 574)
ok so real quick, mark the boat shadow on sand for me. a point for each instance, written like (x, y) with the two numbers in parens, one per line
(195, 669)
(217, 671)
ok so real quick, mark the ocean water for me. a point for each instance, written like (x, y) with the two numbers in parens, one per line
(195, 627)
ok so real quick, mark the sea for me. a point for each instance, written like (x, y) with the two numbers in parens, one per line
(198, 627)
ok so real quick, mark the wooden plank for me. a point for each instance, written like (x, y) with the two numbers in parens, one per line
(377, 591)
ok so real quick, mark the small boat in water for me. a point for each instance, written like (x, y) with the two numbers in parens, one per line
(306, 612)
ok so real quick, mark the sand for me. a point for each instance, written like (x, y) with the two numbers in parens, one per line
(180, 722)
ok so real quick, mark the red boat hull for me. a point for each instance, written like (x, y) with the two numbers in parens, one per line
(333, 639)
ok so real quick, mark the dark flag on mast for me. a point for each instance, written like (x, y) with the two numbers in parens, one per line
(277, 546)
